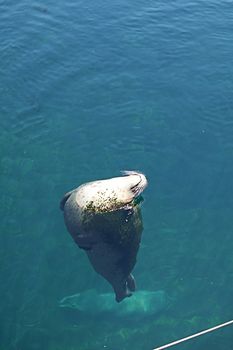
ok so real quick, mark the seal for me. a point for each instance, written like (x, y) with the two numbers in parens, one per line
(104, 219)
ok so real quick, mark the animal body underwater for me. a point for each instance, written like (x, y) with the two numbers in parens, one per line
(104, 219)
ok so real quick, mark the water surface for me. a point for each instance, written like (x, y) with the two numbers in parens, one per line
(88, 89)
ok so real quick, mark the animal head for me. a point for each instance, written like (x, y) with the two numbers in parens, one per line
(111, 194)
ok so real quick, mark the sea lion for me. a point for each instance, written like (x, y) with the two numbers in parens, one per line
(104, 219)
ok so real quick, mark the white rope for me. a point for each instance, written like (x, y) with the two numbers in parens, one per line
(194, 335)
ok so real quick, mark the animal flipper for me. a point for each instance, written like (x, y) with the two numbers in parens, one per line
(130, 281)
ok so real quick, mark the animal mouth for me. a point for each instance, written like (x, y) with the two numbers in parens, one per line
(139, 187)
(136, 188)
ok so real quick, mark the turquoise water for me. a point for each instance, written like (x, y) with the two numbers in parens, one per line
(88, 89)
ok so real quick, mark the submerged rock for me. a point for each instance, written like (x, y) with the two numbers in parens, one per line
(141, 303)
